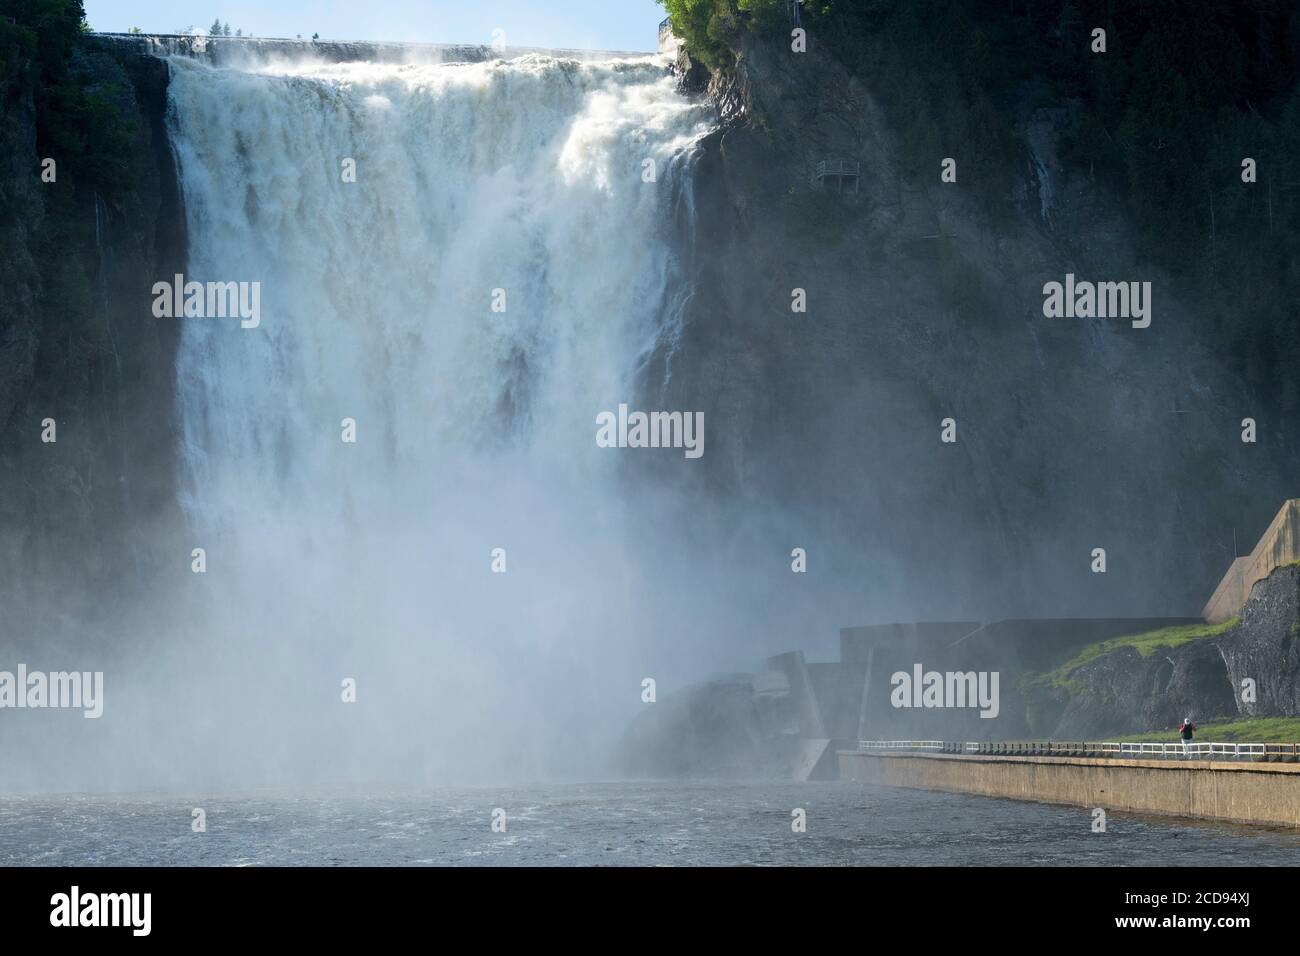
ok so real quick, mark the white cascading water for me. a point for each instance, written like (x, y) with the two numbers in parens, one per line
(474, 428)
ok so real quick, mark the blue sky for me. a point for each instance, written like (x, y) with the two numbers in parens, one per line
(578, 24)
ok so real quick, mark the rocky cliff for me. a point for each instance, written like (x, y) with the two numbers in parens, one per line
(924, 303)
(78, 343)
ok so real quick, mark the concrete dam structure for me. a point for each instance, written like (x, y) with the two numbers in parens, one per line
(1277, 546)
(791, 717)
(1265, 789)
(1016, 680)
(849, 699)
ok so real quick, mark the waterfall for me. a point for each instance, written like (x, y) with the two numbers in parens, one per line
(497, 274)
(522, 176)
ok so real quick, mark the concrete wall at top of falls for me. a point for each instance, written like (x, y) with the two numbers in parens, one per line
(227, 51)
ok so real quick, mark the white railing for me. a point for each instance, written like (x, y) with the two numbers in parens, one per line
(837, 167)
(1235, 751)
(1179, 749)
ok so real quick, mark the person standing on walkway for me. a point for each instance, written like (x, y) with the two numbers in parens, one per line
(1186, 730)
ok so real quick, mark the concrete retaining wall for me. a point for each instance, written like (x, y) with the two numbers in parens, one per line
(1260, 793)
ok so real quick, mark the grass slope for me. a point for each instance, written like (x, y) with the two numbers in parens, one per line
(1146, 644)
(1250, 730)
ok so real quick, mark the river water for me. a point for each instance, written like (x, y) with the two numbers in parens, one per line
(641, 823)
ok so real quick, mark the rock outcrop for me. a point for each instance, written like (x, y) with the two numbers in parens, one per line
(1265, 647)
(1124, 691)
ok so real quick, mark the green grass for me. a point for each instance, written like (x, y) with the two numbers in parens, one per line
(1250, 730)
(1146, 644)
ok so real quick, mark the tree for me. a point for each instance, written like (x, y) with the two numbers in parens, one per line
(215, 29)
(702, 23)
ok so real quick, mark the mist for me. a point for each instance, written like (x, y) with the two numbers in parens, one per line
(490, 281)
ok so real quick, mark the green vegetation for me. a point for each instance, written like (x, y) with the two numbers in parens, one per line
(77, 122)
(1249, 730)
(1163, 120)
(709, 27)
(1166, 638)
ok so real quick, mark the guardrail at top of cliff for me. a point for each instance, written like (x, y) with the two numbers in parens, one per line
(1237, 751)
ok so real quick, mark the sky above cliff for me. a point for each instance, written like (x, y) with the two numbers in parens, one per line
(576, 24)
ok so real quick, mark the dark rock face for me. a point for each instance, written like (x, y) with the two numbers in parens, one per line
(1072, 434)
(23, 211)
(79, 344)
(1265, 647)
(692, 76)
